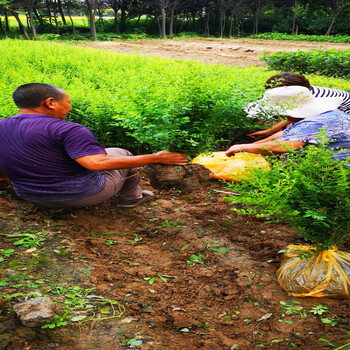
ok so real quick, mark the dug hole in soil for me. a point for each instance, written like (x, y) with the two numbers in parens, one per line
(228, 298)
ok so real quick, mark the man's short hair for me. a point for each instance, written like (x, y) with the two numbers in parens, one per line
(31, 95)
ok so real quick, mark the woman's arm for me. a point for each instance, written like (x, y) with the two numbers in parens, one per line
(264, 133)
(265, 148)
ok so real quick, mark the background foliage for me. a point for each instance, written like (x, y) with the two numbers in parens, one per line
(169, 17)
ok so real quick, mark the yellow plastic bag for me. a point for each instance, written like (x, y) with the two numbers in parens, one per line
(326, 274)
(234, 168)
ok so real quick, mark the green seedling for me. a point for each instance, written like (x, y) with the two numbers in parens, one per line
(6, 253)
(195, 259)
(319, 309)
(292, 307)
(332, 346)
(163, 278)
(332, 320)
(110, 243)
(29, 240)
(58, 321)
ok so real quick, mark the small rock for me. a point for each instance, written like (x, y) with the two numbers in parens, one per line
(35, 312)
(185, 330)
(265, 317)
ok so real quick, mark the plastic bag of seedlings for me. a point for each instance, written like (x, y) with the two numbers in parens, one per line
(322, 274)
(234, 168)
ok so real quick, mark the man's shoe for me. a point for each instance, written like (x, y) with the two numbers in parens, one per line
(146, 196)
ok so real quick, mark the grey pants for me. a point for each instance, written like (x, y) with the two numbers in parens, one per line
(124, 182)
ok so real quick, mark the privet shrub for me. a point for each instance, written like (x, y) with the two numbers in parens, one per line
(303, 37)
(308, 190)
(332, 63)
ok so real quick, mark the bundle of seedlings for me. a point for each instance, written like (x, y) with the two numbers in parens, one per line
(309, 191)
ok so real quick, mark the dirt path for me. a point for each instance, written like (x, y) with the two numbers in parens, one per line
(224, 51)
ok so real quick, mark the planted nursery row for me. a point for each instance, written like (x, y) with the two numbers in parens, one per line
(141, 103)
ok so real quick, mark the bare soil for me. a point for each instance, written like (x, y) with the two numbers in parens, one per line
(245, 52)
(229, 298)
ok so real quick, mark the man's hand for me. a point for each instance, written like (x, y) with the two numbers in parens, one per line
(170, 158)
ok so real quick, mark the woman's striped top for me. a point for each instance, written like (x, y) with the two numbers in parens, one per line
(320, 92)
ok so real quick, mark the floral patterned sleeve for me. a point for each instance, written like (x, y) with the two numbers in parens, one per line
(302, 132)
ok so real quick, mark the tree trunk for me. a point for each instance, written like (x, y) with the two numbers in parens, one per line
(222, 21)
(20, 24)
(171, 23)
(61, 11)
(71, 20)
(1, 29)
(27, 21)
(38, 16)
(231, 24)
(7, 26)
(123, 17)
(256, 21)
(334, 16)
(294, 16)
(206, 22)
(92, 15)
(49, 12)
(56, 22)
(116, 24)
(31, 22)
(163, 30)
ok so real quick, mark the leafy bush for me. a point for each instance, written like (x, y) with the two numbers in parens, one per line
(332, 63)
(303, 37)
(308, 190)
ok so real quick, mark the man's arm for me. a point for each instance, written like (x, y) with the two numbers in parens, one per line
(265, 148)
(103, 161)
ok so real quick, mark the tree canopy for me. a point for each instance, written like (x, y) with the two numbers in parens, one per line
(205, 17)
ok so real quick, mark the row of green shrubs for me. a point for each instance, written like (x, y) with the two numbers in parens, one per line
(309, 191)
(331, 63)
(141, 103)
(303, 37)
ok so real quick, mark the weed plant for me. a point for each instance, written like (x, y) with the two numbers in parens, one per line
(308, 190)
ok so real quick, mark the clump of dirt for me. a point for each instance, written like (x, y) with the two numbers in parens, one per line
(183, 178)
(190, 273)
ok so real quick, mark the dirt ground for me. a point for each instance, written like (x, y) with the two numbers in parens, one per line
(243, 52)
(214, 277)
(183, 271)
